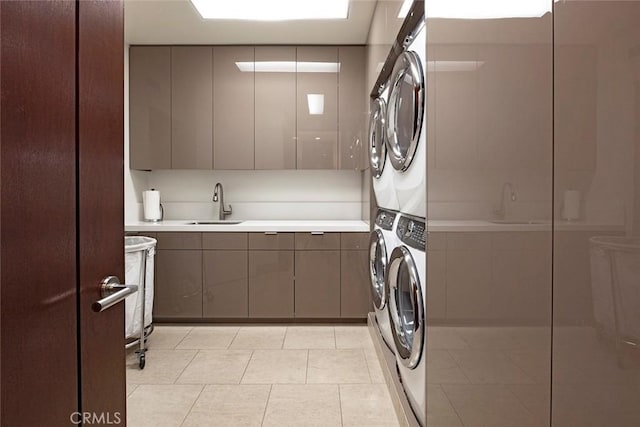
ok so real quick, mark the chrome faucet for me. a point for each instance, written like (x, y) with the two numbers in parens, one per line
(502, 209)
(218, 195)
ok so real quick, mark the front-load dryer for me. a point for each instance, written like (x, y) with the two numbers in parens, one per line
(406, 276)
(381, 169)
(381, 244)
(406, 125)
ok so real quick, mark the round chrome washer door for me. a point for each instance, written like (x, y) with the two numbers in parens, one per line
(377, 137)
(406, 307)
(405, 111)
(377, 269)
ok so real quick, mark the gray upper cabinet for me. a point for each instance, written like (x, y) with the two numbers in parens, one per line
(233, 107)
(150, 107)
(275, 109)
(352, 112)
(191, 107)
(246, 107)
(317, 107)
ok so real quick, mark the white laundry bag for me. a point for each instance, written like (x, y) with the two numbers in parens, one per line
(137, 249)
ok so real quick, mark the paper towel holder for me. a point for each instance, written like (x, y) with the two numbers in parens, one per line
(161, 215)
(161, 210)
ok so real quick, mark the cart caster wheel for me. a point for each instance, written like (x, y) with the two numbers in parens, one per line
(141, 361)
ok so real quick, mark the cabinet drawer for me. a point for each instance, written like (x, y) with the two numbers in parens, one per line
(269, 241)
(179, 240)
(224, 241)
(354, 241)
(317, 241)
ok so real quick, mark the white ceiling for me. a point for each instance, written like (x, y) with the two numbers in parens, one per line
(177, 22)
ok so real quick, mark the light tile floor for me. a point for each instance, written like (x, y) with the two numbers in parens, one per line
(258, 376)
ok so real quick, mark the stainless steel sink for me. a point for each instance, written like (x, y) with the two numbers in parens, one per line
(520, 221)
(214, 222)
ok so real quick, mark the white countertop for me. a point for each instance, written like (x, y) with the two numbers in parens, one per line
(353, 226)
(485, 225)
(251, 226)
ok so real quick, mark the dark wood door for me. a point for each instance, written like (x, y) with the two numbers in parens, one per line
(37, 218)
(61, 211)
(100, 112)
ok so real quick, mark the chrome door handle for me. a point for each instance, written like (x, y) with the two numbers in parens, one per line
(112, 293)
(317, 233)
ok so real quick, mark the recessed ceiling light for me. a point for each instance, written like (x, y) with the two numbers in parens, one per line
(487, 9)
(272, 10)
(288, 67)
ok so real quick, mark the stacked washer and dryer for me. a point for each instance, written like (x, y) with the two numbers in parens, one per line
(397, 262)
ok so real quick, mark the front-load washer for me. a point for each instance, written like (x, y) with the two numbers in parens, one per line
(406, 125)
(381, 169)
(381, 244)
(406, 276)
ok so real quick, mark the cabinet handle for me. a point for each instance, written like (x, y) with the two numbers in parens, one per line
(317, 233)
(270, 233)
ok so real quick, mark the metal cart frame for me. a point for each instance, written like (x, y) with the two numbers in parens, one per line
(144, 330)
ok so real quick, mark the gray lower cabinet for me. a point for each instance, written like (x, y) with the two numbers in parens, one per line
(271, 288)
(355, 298)
(317, 290)
(261, 276)
(178, 284)
(225, 285)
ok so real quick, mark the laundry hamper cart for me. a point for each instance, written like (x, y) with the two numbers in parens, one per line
(139, 256)
(615, 283)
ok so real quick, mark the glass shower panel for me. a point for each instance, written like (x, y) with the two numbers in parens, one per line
(489, 121)
(596, 290)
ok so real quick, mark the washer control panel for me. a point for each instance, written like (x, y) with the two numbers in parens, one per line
(385, 219)
(412, 232)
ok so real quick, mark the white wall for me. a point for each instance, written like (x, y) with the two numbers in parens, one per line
(292, 194)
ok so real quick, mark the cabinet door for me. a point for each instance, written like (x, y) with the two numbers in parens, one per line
(352, 113)
(275, 108)
(271, 284)
(150, 107)
(191, 107)
(317, 107)
(317, 291)
(225, 285)
(178, 284)
(355, 299)
(233, 111)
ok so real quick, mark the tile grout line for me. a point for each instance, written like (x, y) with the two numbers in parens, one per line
(184, 419)
(464, 374)
(264, 413)
(186, 366)
(246, 367)
(306, 371)
(234, 338)
(450, 403)
(175, 347)
(340, 405)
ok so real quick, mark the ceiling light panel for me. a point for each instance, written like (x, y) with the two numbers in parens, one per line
(487, 9)
(288, 67)
(272, 10)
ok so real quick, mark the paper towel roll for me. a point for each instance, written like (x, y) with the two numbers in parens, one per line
(571, 205)
(151, 204)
